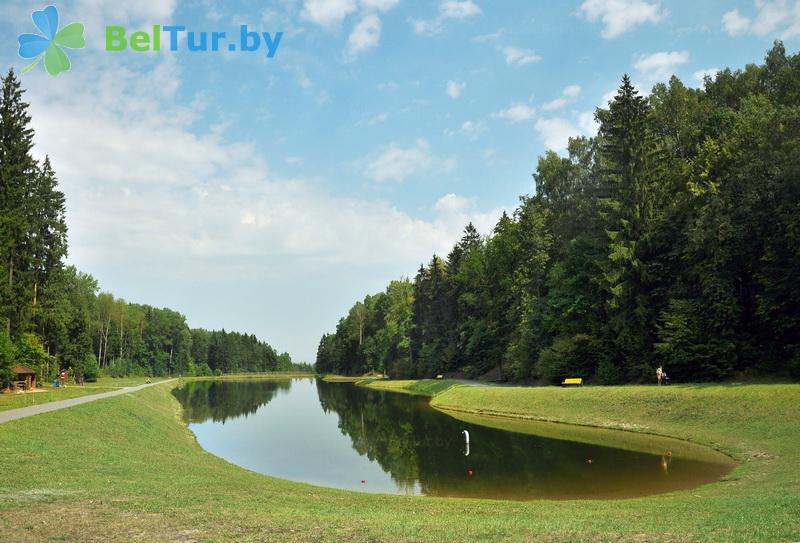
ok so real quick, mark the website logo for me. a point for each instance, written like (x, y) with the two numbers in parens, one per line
(50, 45)
(248, 41)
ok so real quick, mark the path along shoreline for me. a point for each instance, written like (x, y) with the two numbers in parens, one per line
(31, 410)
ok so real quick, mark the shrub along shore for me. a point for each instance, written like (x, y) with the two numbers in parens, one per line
(145, 478)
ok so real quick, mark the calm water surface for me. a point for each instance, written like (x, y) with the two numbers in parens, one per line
(343, 436)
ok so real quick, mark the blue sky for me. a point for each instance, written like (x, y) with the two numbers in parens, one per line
(267, 195)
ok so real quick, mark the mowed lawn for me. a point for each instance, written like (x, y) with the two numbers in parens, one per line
(127, 469)
(46, 393)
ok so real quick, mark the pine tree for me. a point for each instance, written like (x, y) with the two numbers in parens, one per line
(47, 236)
(627, 156)
(17, 169)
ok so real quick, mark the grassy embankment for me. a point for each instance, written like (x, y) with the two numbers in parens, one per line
(45, 392)
(144, 478)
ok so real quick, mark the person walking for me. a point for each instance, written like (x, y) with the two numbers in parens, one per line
(659, 374)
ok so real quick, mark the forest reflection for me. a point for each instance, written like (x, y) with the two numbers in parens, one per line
(221, 400)
(347, 436)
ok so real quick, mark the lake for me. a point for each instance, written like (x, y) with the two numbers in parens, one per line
(343, 436)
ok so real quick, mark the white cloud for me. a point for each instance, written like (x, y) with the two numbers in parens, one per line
(459, 9)
(328, 12)
(780, 17)
(516, 113)
(397, 163)
(519, 57)
(454, 89)
(452, 203)
(700, 75)
(379, 5)
(448, 9)
(494, 36)
(554, 104)
(374, 120)
(469, 129)
(587, 123)
(390, 85)
(365, 35)
(619, 16)
(94, 14)
(187, 210)
(454, 211)
(569, 93)
(425, 27)
(608, 97)
(734, 23)
(556, 131)
(572, 91)
(660, 66)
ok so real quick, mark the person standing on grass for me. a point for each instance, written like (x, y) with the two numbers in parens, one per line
(659, 374)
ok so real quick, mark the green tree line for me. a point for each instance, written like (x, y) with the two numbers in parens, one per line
(54, 317)
(671, 238)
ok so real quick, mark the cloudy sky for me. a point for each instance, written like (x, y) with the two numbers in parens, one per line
(267, 195)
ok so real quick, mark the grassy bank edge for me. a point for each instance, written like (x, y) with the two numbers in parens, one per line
(163, 487)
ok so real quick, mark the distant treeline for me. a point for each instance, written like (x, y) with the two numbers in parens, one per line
(671, 238)
(53, 316)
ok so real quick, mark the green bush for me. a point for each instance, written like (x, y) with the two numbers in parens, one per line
(118, 368)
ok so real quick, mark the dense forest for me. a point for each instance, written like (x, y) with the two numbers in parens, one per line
(54, 316)
(671, 238)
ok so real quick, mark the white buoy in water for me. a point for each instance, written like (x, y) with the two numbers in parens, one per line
(466, 435)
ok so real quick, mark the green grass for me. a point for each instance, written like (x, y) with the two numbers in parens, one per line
(118, 382)
(343, 378)
(144, 478)
(431, 387)
(46, 393)
(424, 387)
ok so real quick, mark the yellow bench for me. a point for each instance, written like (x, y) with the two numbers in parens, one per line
(572, 381)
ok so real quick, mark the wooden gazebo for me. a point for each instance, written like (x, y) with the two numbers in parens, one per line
(24, 377)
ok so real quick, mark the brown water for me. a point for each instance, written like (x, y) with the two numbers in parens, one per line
(343, 436)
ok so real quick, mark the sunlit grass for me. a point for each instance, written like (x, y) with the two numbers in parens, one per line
(127, 469)
(46, 393)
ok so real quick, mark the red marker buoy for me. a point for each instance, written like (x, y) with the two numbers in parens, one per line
(363, 481)
(589, 461)
(669, 453)
(470, 472)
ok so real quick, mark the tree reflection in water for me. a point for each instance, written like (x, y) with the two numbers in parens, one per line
(364, 439)
(222, 400)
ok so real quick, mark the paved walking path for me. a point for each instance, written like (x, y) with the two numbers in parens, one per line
(22, 412)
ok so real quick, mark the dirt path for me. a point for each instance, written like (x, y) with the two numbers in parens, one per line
(22, 412)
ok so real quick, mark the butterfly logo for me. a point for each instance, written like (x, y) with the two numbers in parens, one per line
(50, 45)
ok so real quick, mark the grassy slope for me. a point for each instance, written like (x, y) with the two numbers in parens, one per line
(144, 478)
(425, 387)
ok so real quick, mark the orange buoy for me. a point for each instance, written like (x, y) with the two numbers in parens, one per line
(470, 472)
(589, 461)
(669, 453)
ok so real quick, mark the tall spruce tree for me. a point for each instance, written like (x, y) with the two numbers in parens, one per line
(17, 170)
(627, 156)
